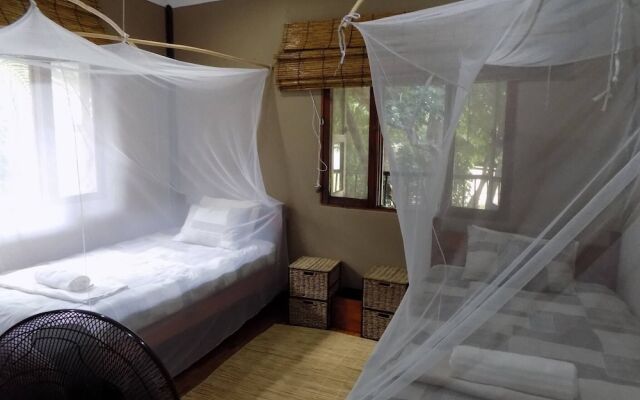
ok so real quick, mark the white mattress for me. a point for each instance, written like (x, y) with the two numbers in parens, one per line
(162, 277)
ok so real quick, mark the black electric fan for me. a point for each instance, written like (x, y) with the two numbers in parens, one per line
(75, 354)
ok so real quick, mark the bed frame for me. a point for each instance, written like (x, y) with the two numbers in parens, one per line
(188, 318)
(597, 260)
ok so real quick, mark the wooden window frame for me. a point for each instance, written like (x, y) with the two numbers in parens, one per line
(374, 172)
(375, 156)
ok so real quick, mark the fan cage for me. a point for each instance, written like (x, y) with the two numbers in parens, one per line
(69, 354)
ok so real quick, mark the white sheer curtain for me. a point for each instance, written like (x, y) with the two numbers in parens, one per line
(106, 154)
(558, 144)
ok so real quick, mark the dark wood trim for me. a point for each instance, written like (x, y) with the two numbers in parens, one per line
(375, 154)
(326, 144)
(509, 148)
(168, 30)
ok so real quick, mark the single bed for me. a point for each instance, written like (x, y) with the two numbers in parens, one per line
(173, 289)
(587, 324)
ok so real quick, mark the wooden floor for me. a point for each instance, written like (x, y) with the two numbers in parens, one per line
(274, 313)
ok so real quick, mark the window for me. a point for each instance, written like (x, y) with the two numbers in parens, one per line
(74, 135)
(47, 144)
(352, 150)
(478, 152)
(358, 170)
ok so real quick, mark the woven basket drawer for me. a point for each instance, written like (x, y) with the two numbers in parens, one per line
(384, 296)
(374, 323)
(314, 284)
(309, 313)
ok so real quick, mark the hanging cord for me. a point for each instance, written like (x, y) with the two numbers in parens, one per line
(316, 124)
(444, 261)
(342, 40)
(75, 123)
(614, 60)
(124, 15)
(435, 235)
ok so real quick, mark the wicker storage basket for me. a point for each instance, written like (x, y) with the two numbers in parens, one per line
(309, 313)
(384, 288)
(314, 278)
(374, 323)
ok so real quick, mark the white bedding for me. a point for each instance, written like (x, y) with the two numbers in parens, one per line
(161, 277)
(587, 325)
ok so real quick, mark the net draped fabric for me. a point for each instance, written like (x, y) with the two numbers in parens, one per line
(512, 132)
(138, 177)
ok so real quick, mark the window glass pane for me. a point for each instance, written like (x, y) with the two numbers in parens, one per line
(477, 169)
(350, 142)
(19, 164)
(414, 118)
(74, 136)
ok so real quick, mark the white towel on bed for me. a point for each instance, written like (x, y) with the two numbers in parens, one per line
(24, 281)
(442, 377)
(538, 376)
(68, 280)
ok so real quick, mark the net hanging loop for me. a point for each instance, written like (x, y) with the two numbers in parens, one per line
(342, 41)
(614, 61)
(347, 20)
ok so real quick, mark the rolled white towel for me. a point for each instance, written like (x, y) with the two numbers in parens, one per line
(528, 374)
(63, 279)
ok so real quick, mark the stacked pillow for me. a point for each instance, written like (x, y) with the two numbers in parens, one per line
(220, 223)
(489, 252)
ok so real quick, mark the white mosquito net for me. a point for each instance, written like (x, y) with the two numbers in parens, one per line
(512, 132)
(130, 185)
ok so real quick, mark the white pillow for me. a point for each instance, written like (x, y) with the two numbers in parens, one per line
(220, 223)
(205, 226)
(488, 252)
(483, 248)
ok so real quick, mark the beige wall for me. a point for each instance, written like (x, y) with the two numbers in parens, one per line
(253, 29)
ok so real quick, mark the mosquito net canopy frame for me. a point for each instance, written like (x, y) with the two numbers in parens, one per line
(512, 133)
(130, 185)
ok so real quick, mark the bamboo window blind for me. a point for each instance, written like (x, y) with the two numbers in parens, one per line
(310, 56)
(61, 12)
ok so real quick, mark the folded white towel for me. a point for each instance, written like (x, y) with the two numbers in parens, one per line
(442, 377)
(24, 281)
(68, 280)
(527, 374)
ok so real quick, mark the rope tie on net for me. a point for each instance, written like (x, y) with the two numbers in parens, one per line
(614, 60)
(342, 41)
